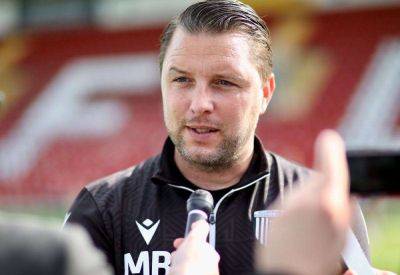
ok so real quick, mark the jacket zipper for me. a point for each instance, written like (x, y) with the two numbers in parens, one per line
(213, 215)
(181, 187)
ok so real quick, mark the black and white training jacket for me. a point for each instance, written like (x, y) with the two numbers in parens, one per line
(135, 215)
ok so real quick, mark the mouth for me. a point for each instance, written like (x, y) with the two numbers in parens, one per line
(202, 130)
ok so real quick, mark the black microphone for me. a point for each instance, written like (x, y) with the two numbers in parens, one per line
(199, 206)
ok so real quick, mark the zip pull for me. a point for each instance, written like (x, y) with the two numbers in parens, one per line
(212, 218)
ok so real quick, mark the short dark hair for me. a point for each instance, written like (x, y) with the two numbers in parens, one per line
(222, 16)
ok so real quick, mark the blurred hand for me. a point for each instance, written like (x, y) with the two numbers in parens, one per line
(194, 255)
(310, 235)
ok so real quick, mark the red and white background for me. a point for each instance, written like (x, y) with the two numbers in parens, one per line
(83, 102)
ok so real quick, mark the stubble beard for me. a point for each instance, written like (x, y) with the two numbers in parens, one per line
(224, 156)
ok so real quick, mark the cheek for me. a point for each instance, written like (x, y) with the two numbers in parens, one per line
(245, 111)
(249, 104)
(173, 109)
(176, 105)
(233, 115)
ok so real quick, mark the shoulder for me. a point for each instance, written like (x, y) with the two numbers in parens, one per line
(285, 176)
(104, 198)
(135, 175)
(287, 170)
(109, 192)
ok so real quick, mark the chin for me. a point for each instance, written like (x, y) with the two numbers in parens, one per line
(201, 154)
(207, 160)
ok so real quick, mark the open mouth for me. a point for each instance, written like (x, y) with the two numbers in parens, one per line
(203, 130)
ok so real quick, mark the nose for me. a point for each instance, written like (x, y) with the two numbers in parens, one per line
(201, 101)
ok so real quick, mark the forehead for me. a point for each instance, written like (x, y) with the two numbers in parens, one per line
(225, 51)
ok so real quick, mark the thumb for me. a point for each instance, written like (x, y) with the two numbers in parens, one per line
(177, 242)
(199, 231)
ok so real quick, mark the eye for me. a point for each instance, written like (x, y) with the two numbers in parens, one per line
(181, 79)
(223, 82)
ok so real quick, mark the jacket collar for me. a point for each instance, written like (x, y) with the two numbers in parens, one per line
(168, 172)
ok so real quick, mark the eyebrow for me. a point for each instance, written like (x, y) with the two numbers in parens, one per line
(175, 69)
(224, 76)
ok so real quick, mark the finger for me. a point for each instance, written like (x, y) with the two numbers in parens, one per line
(177, 242)
(349, 272)
(330, 160)
(330, 157)
(199, 230)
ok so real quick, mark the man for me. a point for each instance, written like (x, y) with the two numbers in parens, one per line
(216, 80)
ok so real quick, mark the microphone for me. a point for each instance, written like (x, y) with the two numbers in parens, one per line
(199, 206)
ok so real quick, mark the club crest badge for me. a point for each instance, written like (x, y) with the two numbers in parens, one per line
(263, 221)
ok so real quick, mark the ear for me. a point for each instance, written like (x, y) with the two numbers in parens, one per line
(268, 91)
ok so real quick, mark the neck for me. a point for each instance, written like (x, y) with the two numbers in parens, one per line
(214, 180)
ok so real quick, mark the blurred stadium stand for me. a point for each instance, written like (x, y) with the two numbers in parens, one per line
(80, 97)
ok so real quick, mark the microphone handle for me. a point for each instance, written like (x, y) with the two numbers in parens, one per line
(194, 216)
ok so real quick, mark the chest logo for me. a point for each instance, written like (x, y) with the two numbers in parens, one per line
(147, 228)
(263, 223)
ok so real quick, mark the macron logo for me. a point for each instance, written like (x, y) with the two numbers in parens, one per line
(147, 229)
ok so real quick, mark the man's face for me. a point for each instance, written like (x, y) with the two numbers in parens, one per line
(212, 97)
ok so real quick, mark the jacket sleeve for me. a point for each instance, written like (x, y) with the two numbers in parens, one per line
(85, 212)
